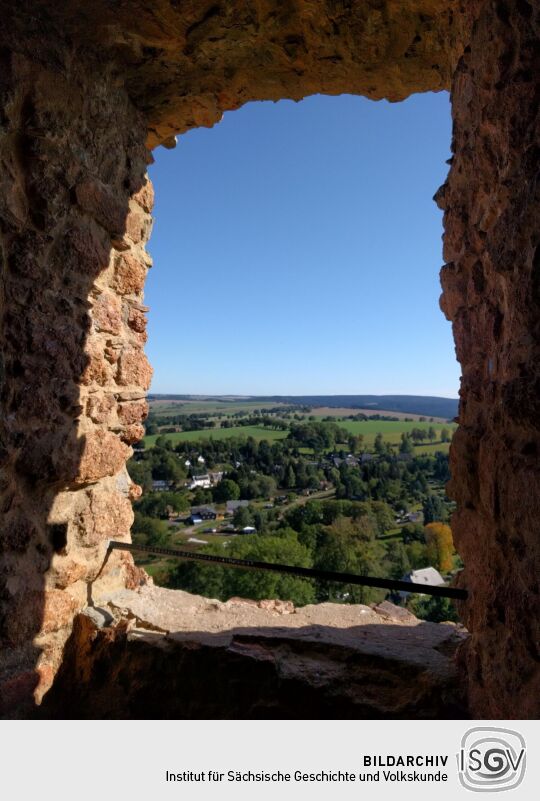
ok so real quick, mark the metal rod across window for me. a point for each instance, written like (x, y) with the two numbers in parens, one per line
(303, 572)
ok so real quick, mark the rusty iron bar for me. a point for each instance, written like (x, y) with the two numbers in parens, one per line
(302, 572)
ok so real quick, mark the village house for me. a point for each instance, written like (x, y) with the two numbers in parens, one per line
(200, 513)
(204, 481)
(232, 506)
(426, 575)
(161, 486)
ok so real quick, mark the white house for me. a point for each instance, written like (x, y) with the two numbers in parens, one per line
(204, 481)
(426, 575)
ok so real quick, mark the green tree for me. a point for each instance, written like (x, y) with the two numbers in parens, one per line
(433, 509)
(406, 445)
(201, 496)
(398, 561)
(418, 435)
(165, 465)
(290, 478)
(355, 443)
(267, 486)
(351, 548)
(384, 516)
(141, 473)
(226, 490)
(437, 610)
(242, 517)
(412, 532)
(445, 435)
(148, 531)
(154, 504)
(224, 583)
(177, 501)
(417, 555)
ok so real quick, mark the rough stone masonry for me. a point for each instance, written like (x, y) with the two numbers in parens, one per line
(87, 90)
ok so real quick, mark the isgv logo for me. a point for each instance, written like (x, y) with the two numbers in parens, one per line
(491, 759)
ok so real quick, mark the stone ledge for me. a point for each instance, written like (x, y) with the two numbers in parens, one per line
(170, 654)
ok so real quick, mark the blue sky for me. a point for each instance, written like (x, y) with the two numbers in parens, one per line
(297, 250)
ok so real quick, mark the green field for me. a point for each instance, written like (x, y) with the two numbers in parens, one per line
(257, 432)
(421, 450)
(390, 430)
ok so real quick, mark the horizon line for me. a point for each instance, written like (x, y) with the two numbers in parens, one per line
(301, 395)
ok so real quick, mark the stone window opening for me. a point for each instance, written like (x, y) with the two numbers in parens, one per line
(85, 98)
(177, 247)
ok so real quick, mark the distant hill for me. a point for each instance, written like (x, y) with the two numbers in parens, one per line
(406, 404)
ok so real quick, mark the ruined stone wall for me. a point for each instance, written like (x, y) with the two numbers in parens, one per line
(83, 86)
(170, 654)
(74, 217)
(492, 295)
(185, 63)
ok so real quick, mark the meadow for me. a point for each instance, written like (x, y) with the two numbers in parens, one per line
(346, 411)
(257, 432)
(391, 431)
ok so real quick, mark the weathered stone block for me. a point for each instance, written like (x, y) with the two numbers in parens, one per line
(104, 515)
(107, 313)
(145, 196)
(100, 407)
(134, 412)
(130, 274)
(137, 320)
(138, 226)
(102, 454)
(84, 248)
(65, 571)
(107, 208)
(134, 369)
(58, 610)
(132, 433)
(96, 369)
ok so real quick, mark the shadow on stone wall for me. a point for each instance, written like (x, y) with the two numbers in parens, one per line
(314, 672)
(72, 155)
